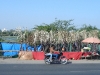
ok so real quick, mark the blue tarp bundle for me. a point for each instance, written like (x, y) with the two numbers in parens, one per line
(16, 46)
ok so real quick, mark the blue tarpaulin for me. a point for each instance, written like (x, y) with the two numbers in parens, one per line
(12, 46)
(39, 48)
(16, 46)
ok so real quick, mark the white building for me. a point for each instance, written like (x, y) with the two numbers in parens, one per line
(4, 30)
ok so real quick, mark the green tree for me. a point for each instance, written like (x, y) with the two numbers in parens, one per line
(46, 27)
(88, 28)
(63, 25)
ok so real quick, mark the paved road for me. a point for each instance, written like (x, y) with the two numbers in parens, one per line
(53, 69)
(37, 67)
(18, 61)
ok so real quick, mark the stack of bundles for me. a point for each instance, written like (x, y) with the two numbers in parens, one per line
(25, 55)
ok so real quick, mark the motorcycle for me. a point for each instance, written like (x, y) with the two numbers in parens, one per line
(60, 59)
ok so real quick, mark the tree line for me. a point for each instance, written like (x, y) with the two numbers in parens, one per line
(58, 26)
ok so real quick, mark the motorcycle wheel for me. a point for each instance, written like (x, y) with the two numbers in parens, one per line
(63, 60)
(47, 61)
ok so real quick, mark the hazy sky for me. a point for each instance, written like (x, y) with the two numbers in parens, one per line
(28, 13)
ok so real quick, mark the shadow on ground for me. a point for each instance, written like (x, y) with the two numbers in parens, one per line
(69, 62)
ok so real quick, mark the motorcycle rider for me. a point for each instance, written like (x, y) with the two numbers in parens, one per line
(52, 52)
